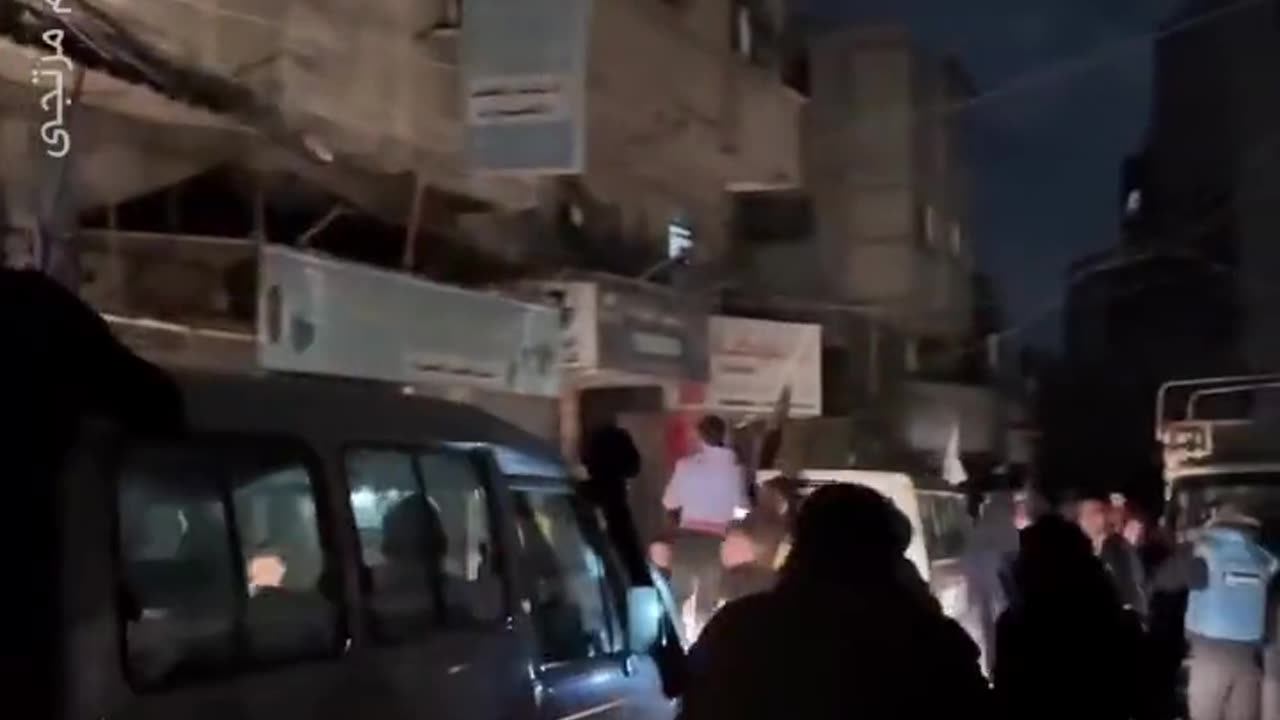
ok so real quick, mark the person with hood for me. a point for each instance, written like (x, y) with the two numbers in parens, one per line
(612, 461)
(1066, 647)
(849, 631)
(985, 564)
(1228, 574)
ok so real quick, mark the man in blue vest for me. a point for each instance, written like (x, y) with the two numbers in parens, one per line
(1228, 574)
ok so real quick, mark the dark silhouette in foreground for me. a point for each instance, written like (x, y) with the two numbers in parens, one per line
(611, 459)
(850, 631)
(1066, 648)
(60, 365)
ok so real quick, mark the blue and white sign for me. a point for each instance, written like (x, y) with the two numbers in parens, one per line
(524, 74)
(325, 316)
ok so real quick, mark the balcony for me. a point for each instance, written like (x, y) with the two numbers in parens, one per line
(374, 83)
(676, 118)
(118, 152)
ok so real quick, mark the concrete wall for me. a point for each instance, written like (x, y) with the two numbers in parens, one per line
(882, 156)
(932, 408)
(676, 118)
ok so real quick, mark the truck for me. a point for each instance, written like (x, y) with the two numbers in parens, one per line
(1220, 443)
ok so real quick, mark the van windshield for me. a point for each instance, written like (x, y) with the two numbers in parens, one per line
(1255, 494)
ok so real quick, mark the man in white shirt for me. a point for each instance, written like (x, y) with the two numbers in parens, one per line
(705, 491)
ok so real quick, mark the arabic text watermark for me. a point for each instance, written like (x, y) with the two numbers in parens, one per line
(51, 71)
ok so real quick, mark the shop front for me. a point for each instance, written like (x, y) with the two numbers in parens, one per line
(760, 369)
(635, 353)
(323, 316)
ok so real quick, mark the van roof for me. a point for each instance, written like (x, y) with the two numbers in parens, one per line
(340, 410)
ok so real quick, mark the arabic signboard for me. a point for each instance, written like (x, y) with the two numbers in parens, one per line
(752, 361)
(324, 316)
(629, 327)
(651, 332)
(524, 65)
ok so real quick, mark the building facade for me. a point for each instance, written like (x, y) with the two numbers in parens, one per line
(885, 158)
(1213, 158)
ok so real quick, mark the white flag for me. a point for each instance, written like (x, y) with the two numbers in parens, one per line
(952, 467)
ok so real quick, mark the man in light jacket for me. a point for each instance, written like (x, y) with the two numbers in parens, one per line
(702, 499)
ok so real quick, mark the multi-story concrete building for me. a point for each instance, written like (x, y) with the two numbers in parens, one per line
(885, 158)
(684, 106)
(879, 249)
(1213, 155)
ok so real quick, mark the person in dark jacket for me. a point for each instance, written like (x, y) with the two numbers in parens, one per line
(850, 631)
(60, 365)
(612, 461)
(1066, 648)
(1095, 517)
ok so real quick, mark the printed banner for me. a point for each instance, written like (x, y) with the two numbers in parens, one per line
(325, 316)
(753, 361)
(524, 78)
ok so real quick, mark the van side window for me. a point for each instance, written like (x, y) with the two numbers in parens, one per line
(572, 606)
(423, 521)
(947, 525)
(222, 560)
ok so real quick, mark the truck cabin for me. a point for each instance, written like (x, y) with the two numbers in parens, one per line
(1218, 440)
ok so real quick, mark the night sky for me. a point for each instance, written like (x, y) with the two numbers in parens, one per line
(1047, 151)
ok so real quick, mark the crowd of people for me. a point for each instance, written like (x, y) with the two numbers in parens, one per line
(810, 609)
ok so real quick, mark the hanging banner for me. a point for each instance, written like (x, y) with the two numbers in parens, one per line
(754, 361)
(524, 78)
(619, 325)
(325, 316)
(576, 304)
(651, 331)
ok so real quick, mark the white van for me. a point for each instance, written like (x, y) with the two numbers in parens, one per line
(939, 523)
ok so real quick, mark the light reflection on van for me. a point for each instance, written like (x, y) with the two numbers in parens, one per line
(939, 519)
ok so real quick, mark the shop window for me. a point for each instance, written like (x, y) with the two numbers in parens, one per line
(572, 604)
(222, 560)
(423, 522)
